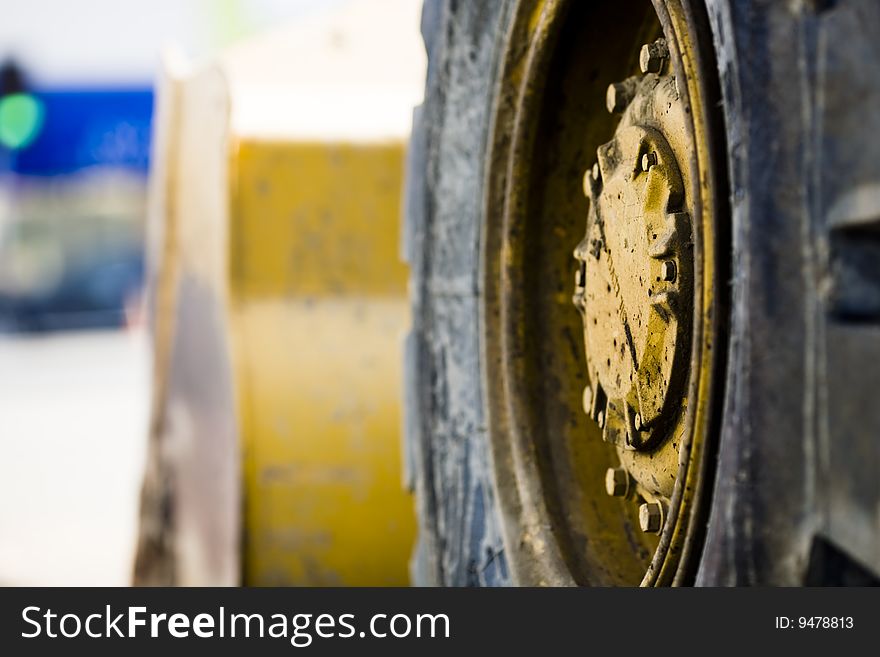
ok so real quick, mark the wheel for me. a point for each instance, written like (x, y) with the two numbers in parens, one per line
(593, 319)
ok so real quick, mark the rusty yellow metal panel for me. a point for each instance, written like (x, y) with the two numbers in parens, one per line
(279, 307)
(317, 298)
(317, 219)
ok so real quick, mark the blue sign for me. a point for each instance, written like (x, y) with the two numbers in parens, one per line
(83, 128)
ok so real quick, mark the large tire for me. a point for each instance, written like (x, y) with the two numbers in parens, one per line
(795, 454)
(459, 536)
(797, 498)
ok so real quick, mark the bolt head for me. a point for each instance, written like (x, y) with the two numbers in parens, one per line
(668, 271)
(617, 98)
(616, 482)
(588, 400)
(652, 56)
(651, 517)
(648, 161)
(591, 177)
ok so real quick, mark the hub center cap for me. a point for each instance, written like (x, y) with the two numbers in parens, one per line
(634, 288)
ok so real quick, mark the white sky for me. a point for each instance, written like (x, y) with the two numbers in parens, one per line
(61, 42)
(314, 68)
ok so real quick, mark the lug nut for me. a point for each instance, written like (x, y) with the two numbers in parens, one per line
(600, 419)
(668, 271)
(591, 179)
(618, 96)
(648, 160)
(652, 56)
(588, 400)
(651, 517)
(616, 482)
(637, 422)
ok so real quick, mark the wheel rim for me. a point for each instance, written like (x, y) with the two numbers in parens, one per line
(551, 464)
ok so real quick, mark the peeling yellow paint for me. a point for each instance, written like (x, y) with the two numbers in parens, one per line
(318, 303)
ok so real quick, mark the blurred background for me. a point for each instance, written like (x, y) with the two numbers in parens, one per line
(76, 116)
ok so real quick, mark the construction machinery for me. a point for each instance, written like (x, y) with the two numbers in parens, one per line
(645, 266)
(644, 281)
(279, 306)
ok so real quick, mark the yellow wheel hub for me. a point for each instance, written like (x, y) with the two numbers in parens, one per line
(634, 288)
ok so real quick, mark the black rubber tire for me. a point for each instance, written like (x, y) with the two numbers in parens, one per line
(796, 497)
(447, 448)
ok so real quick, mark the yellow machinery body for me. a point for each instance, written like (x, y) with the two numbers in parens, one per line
(278, 312)
(319, 310)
